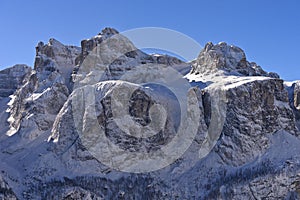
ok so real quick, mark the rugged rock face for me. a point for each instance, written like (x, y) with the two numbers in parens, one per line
(6, 193)
(89, 44)
(116, 56)
(38, 101)
(297, 103)
(297, 95)
(246, 143)
(12, 78)
(56, 57)
(229, 59)
(261, 110)
(293, 90)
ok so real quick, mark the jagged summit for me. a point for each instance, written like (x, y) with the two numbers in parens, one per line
(107, 32)
(228, 60)
(55, 57)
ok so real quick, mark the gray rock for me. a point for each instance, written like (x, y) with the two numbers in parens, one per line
(89, 44)
(46, 89)
(55, 57)
(253, 155)
(254, 111)
(116, 56)
(12, 78)
(6, 193)
(297, 95)
(228, 59)
(293, 91)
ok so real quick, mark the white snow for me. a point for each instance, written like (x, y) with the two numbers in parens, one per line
(36, 96)
(10, 103)
(289, 83)
(217, 80)
(12, 130)
(11, 119)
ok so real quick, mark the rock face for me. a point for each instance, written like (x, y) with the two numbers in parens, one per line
(293, 90)
(246, 123)
(261, 110)
(227, 59)
(56, 57)
(38, 101)
(12, 78)
(297, 96)
(6, 193)
(115, 52)
(89, 44)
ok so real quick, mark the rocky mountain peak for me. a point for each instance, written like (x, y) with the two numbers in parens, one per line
(117, 45)
(108, 32)
(55, 57)
(246, 143)
(51, 49)
(228, 60)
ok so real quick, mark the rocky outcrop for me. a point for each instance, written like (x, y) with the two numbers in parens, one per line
(12, 78)
(37, 102)
(6, 193)
(261, 109)
(297, 103)
(37, 110)
(89, 45)
(226, 59)
(141, 106)
(297, 95)
(55, 57)
(116, 56)
(293, 89)
(255, 179)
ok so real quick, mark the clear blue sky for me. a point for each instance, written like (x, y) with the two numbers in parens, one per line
(268, 31)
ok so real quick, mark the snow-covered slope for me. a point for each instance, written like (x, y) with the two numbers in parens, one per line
(239, 138)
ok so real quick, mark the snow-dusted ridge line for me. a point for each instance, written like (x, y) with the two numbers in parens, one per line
(256, 154)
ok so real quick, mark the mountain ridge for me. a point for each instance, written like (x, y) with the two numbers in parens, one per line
(250, 115)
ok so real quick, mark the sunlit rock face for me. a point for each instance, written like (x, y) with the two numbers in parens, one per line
(227, 59)
(246, 143)
(38, 99)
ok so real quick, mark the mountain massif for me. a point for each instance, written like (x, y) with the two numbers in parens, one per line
(231, 129)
